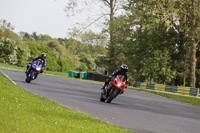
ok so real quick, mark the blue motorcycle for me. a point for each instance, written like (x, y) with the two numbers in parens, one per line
(33, 70)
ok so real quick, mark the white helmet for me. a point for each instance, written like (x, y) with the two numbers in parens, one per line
(124, 68)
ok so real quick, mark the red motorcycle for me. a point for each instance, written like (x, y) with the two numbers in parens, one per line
(114, 88)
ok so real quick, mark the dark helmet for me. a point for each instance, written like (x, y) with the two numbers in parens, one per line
(124, 68)
(44, 56)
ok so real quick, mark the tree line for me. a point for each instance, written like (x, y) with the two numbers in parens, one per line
(62, 54)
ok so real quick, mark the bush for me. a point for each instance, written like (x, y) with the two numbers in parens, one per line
(2, 60)
(83, 67)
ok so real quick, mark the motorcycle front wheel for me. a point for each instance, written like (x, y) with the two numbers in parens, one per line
(102, 98)
(29, 77)
(113, 93)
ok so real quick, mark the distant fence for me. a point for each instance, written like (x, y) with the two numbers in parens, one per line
(88, 75)
(97, 76)
(173, 89)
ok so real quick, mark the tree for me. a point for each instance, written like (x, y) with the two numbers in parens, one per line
(113, 6)
(5, 29)
(7, 48)
(42, 37)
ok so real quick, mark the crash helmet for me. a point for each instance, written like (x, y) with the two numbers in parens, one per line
(43, 55)
(124, 68)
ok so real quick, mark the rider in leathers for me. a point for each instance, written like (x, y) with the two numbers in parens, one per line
(123, 71)
(42, 57)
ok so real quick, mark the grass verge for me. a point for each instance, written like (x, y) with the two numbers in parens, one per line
(187, 99)
(21, 111)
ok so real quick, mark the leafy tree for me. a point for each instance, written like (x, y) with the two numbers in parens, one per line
(28, 37)
(88, 60)
(6, 29)
(83, 67)
(42, 37)
(35, 36)
(7, 48)
(158, 68)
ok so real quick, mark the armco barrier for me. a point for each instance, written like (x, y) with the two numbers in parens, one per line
(169, 88)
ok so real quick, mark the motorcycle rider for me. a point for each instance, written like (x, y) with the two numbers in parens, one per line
(123, 71)
(42, 57)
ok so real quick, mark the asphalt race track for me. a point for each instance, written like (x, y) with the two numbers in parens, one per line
(138, 111)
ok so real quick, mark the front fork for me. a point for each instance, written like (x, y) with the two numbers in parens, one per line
(107, 90)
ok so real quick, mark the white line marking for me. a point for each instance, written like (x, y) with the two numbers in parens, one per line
(8, 77)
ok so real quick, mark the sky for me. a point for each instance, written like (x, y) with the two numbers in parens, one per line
(41, 16)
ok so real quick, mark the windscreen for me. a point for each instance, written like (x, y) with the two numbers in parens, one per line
(38, 62)
(121, 77)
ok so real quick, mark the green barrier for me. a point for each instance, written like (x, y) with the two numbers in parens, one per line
(169, 88)
(150, 86)
(71, 74)
(138, 84)
(194, 91)
(84, 75)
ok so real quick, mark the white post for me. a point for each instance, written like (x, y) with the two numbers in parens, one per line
(197, 92)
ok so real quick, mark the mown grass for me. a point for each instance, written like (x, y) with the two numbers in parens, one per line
(21, 111)
(12, 67)
(183, 98)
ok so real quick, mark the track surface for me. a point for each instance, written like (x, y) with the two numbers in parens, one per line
(138, 111)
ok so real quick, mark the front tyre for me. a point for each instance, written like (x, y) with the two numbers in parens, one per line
(112, 95)
(29, 77)
(102, 98)
(32, 76)
(28, 80)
